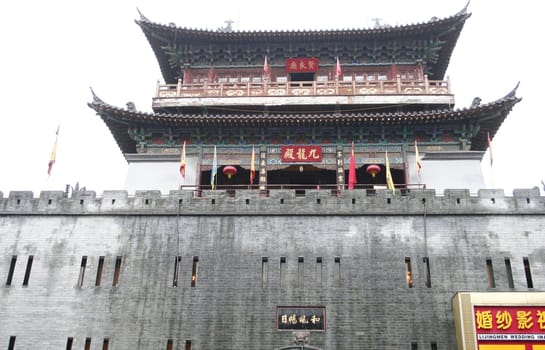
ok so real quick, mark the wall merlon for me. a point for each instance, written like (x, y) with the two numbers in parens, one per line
(147, 199)
(111, 200)
(526, 193)
(491, 193)
(457, 193)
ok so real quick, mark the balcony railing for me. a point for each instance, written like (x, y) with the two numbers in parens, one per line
(300, 190)
(304, 88)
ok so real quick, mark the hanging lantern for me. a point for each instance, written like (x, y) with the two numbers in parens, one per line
(373, 170)
(229, 170)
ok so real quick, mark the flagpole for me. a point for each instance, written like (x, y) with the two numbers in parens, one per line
(418, 162)
(491, 176)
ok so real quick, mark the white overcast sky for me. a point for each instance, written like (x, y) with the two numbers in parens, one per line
(54, 51)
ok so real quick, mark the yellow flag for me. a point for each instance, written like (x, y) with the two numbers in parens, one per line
(389, 181)
(53, 157)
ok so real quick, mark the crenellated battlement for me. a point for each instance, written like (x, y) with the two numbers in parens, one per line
(276, 202)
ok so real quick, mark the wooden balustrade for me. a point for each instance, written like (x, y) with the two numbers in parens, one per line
(305, 88)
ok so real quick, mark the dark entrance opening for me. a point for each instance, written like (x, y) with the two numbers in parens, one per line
(301, 176)
(296, 77)
(304, 176)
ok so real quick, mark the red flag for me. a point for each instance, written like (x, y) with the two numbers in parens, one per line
(489, 147)
(187, 75)
(338, 70)
(266, 69)
(252, 167)
(53, 156)
(182, 162)
(211, 75)
(417, 156)
(352, 180)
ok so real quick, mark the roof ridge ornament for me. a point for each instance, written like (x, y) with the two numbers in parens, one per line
(142, 17)
(464, 10)
(512, 93)
(96, 99)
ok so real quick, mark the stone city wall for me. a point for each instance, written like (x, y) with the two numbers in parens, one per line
(243, 254)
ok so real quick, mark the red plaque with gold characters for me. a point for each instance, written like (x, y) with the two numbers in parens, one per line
(302, 318)
(510, 327)
(301, 65)
(301, 154)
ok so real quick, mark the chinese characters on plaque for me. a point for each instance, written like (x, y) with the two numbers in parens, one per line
(300, 318)
(508, 323)
(301, 65)
(297, 154)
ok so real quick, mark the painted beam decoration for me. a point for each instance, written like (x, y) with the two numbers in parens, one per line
(301, 65)
(300, 318)
(510, 327)
(301, 154)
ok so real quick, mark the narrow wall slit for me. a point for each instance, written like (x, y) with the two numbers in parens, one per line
(177, 262)
(337, 261)
(82, 270)
(11, 270)
(300, 271)
(194, 271)
(528, 272)
(509, 273)
(117, 271)
(264, 272)
(28, 269)
(282, 271)
(490, 273)
(11, 345)
(69, 342)
(99, 270)
(426, 261)
(408, 272)
(319, 271)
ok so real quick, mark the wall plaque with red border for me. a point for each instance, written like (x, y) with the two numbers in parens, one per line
(509, 327)
(301, 154)
(300, 318)
(301, 65)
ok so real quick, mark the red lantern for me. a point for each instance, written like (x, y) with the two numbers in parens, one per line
(373, 169)
(229, 170)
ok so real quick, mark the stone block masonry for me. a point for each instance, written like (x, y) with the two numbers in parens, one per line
(346, 252)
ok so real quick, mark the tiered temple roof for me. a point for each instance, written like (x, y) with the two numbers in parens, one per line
(428, 45)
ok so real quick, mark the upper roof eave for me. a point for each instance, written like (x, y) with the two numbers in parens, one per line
(160, 35)
(433, 25)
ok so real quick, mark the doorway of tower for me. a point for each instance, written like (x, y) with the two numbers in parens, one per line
(297, 78)
(366, 180)
(239, 180)
(301, 176)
